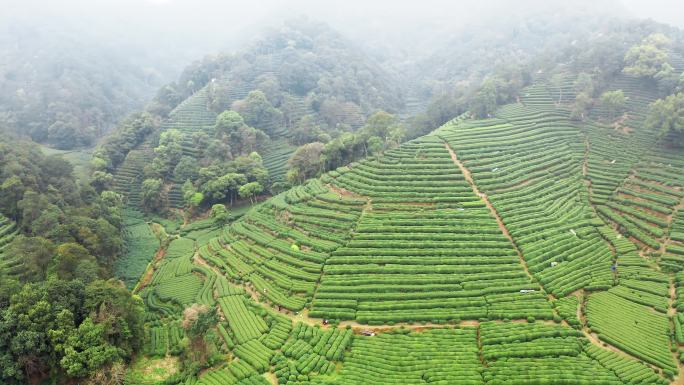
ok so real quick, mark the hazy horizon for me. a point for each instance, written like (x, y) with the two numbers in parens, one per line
(188, 30)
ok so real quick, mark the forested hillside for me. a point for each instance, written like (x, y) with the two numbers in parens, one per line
(235, 120)
(59, 240)
(511, 54)
(67, 90)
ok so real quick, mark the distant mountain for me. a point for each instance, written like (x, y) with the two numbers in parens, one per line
(297, 84)
(66, 90)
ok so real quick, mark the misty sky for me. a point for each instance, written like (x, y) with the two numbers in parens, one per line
(666, 11)
(190, 29)
(216, 20)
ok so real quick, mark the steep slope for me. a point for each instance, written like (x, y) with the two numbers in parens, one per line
(479, 254)
(529, 162)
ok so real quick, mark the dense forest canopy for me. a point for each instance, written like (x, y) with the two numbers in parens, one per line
(55, 90)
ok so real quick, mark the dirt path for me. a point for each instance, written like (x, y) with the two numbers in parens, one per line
(585, 162)
(429, 325)
(670, 220)
(672, 312)
(594, 339)
(469, 178)
(146, 277)
(303, 316)
(580, 303)
(271, 378)
(485, 199)
(587, 182)
(366, 208)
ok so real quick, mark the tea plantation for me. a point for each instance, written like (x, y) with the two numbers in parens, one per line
(526, 248)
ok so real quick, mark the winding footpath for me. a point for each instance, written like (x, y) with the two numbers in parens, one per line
(469, 178)
(592, 337)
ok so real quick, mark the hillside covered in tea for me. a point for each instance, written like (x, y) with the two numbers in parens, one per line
(316, 210)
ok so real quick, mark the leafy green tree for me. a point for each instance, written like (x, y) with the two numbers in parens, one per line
(442, 108)
(87, 271)
(11, 191)
(197, 320)
(69, 257)
(307, 130)
(307, 160)
(614, 102)
(340, 151)
(152, 194)
(584, 84)
(228, 122)
(293, 176)
(87, 349)
(98, 164)
(188, 190)
(102, 180)
(225, 186)
(251, 190)
(485, 101)
(220, 150)
(186, 169)
(196, 199)
(109, 303)
(191, 196)
(649, 59)
(32, 206)
(168, 153)
(379, 124)
(35, 253)
(258, 112)
(98, 236)
(248, 139)
(67, 132)
(111, 199)
(667, 115)
(580, 108)
(26, 325)
(128, 135)
(278, 187)
(52, 207)
(374, 145)
(220, 215)
(10, 286)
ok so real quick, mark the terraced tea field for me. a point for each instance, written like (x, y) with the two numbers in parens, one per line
(8, 231)
(140, 246)
(522, 249)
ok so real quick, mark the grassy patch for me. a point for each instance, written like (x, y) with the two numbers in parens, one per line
(80, 159)
(152, 371)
